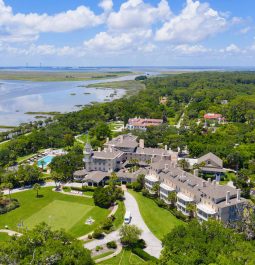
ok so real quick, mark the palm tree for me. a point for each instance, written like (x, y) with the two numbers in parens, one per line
(191, 208)
(9, 186)
(172, 197)
(42, 162)
(155, 189)
(37, 187)
(184, 164)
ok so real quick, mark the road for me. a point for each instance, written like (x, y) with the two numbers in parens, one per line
(154, 246)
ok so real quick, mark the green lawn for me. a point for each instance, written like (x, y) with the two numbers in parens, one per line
(159, 220)
(124, 258)
(103, 255)
(56, 209)
(119, 215)
(4, 237)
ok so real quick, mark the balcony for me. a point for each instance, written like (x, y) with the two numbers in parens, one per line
(205, 212)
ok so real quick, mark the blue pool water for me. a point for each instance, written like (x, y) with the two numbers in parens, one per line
(45, 161)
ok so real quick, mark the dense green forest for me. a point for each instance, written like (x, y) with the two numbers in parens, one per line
(194, 94)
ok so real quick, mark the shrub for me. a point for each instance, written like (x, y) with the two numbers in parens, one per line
(84, 188)
(67, 189)
(144, 255)
(112, 244)
(9, 205)
(98, 248)
(160, 203)
(129, 186)
(107, 224)
(97, 234)
(137, 186)
(179, 215)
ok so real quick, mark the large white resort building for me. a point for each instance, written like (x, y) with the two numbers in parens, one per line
(160, 167)
(210, 199)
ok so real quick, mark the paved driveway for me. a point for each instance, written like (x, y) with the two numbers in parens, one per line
(154, 245)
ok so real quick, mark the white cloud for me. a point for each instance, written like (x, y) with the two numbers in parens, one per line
(127, 41)
(22, 27)
(245, 30)
(186, 49)
(232, 48)
(196, 22)
(107, 5)
(137, 14)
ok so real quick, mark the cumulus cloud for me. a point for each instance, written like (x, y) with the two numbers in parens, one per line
(137, 14)
(232, 48)
(106, 5)
(21, 27)
(107, 42)
(196, 22)
(186, 49)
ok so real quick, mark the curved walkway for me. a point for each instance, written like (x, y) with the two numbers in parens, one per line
(117, 252)
(10, 232)
(154, 245)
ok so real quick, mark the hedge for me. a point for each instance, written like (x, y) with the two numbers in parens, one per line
(143, 255)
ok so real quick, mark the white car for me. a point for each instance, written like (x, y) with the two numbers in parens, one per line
(127, 218)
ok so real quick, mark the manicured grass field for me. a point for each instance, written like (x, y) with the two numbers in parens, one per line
(124, 258)
(4, 237)
(59, 214)
(56, 209)
(159, 220)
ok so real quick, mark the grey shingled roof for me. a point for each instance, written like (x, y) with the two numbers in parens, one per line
(97, 176)
(212, 157)
(125, 140)
(152, 151)
(107, 154)
(80, 173)
(191, 183)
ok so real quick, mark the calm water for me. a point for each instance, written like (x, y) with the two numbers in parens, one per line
(18, 97)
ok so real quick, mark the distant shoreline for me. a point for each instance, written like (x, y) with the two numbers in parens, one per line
(44, 76)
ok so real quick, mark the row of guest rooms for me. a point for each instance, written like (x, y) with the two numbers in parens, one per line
(204, 209)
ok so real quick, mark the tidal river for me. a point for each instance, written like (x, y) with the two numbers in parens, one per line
(19, 97)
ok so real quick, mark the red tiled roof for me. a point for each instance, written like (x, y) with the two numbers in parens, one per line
(212, 116)
(145, 122)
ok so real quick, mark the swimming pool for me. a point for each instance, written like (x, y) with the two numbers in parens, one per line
(45, 161)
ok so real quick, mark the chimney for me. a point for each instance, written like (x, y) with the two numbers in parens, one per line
(204, 183)
(210, 180)
(121, 138)
(214, 182)
(107, 140)
(165, 147)
(227, 197)
(196, 172)
(141, 143)
(166, 166)
(99, 149)
(238, 195)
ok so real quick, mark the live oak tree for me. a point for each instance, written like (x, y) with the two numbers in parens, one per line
(130, 234)
(44, 246)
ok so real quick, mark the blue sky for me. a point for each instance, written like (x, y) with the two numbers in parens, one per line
(127, 32)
